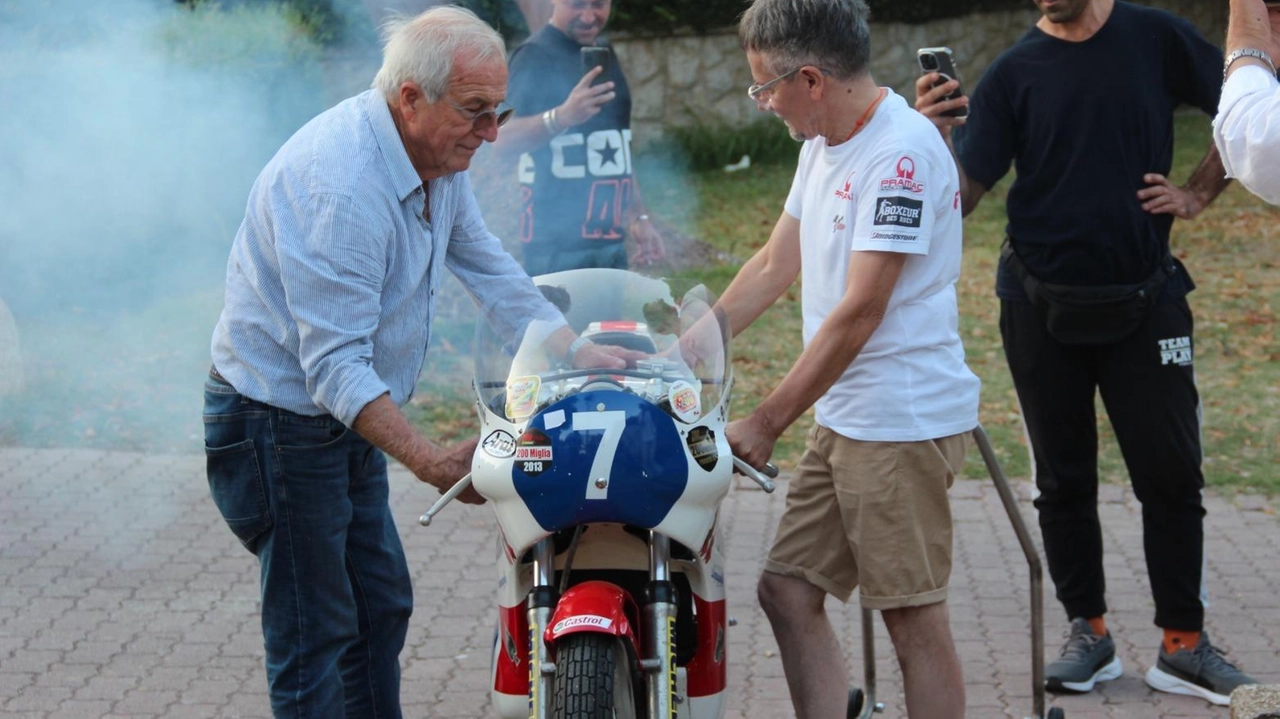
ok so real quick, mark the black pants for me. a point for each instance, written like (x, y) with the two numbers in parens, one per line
(1147, 383)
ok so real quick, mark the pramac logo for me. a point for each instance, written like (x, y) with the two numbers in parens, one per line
(846, 192)
(906, 178)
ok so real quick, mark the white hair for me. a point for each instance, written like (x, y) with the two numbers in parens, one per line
(422, 49)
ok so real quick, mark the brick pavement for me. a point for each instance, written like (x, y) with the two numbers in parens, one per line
(123, 595)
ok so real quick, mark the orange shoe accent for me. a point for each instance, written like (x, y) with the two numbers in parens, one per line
(1175, 640)
(1099, 625)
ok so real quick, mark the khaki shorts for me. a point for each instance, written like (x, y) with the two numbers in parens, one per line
(874, 514)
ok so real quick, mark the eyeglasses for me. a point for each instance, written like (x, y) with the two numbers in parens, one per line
(756, 92)
(483, 119)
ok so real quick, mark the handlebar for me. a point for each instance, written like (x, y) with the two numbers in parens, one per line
(762, 477)
(447, 497)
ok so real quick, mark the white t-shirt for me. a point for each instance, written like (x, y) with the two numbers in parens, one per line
(893, 187)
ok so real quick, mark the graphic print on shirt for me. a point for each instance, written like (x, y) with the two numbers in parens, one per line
(898, 216)
(604, 158)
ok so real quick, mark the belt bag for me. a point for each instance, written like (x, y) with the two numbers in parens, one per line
(1090, 314)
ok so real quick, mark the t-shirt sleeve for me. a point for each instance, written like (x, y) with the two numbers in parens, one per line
(525, 91)
(985, 143)
(894, 213)
(1194, 67)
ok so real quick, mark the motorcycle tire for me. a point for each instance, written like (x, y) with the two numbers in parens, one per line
(593, 679)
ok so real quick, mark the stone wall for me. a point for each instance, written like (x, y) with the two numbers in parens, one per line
(703, 79)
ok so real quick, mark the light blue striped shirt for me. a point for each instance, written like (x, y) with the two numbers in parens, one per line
(333, 273)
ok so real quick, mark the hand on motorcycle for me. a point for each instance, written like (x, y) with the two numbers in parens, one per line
(751, 439)
(450, 466)
(594, 356)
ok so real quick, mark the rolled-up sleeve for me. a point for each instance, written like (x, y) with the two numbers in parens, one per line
(332, 275)
(505, 294)
(1247, 131)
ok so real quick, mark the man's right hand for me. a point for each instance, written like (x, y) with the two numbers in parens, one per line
(451, 465)
(585, 101)
(929, 102)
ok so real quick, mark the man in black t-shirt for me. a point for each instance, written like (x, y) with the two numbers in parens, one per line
(573, 132)
(1092, 301)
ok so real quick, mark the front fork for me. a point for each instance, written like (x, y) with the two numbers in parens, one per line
(658, 607)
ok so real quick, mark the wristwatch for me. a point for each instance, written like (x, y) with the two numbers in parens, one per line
(1252, 52)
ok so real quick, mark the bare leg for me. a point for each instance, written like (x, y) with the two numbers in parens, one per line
(811, 656)
(931, 675)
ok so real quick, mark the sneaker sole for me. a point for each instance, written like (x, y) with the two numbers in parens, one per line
(1112, 670)
(1163, 681)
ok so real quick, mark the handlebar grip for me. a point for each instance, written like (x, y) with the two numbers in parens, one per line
(755, 476)
(769, 470)
(458, 488)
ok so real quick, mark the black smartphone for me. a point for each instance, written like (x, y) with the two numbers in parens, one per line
(941, 60)
(592, 57)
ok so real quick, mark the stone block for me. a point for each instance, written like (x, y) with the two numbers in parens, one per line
(1256, 701)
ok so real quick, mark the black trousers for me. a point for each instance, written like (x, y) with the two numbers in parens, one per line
(1147, 384)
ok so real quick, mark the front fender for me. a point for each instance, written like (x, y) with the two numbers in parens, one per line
(594, 606)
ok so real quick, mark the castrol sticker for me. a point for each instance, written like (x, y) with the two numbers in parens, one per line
(522, 396)
(586, 620)
(684, 401)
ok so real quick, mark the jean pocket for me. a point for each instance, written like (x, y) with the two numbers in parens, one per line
(235, 482)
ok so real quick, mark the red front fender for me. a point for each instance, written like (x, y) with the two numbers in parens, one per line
(594, 606)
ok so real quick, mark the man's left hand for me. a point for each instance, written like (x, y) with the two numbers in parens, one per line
(751, 440)
(1165, 198)
(649, 245)
(594, 356)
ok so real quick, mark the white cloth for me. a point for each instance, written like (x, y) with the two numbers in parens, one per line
(1247, 130)
(892, 187)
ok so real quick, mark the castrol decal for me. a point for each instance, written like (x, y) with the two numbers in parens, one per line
(585, 620)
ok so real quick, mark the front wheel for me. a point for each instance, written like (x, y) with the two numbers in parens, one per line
(593, 678)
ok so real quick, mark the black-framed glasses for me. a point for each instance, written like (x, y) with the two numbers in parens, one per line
(483, 119)
(756, 92)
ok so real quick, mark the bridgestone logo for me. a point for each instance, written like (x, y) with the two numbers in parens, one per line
(899, 212)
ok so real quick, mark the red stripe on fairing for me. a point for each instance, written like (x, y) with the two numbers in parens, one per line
(617, 326)
(509, 677)
(706, 676)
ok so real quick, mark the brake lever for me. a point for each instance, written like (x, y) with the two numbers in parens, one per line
(756, 475)
(458, 488)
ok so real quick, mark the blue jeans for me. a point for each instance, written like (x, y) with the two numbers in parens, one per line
(308, 497)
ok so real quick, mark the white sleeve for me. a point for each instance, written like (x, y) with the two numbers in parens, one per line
(1247, 131)
(895, 211)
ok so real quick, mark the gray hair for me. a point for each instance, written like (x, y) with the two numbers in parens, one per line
(422, 49)
(834, 35)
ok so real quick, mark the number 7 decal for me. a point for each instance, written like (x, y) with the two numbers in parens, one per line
(612, 422)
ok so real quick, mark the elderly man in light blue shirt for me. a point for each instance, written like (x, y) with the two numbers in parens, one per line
(331, 289)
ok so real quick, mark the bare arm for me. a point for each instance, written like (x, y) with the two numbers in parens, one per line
(764, 277)
(868, 286)
(530, 132)
(385, 426)
(929, 103)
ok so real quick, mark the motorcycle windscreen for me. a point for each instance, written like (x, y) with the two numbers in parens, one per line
(600, 456)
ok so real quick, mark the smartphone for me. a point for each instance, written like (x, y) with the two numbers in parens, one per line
(941, 60)
(592, 57)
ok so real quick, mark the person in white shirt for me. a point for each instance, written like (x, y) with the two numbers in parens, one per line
(872, 226)
(1247, 128)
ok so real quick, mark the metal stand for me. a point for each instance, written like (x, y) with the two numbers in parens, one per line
(868, 704)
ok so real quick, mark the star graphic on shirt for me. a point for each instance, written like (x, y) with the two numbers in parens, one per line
(609, 153)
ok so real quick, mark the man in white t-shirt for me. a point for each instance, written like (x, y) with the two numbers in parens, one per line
(872, 225)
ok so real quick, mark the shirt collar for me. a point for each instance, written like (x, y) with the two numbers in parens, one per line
(404, 179)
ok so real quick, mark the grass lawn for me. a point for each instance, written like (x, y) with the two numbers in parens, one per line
(1232, 251)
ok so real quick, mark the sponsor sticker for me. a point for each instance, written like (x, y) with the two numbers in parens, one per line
(499, 444)
(685, 401)
(905, 178)
(899, 212)
(522, 396)
(533, 453)
(585, 620)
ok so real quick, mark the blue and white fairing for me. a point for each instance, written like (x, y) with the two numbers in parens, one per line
(562, 446)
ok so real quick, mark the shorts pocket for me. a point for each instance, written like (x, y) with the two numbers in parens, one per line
(235, 482)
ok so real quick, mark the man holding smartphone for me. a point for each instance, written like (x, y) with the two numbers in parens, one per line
(1245, 130)
(1092, 301)
(573, 135)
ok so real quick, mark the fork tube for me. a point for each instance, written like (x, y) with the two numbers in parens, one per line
(542, 600)
(660, 625)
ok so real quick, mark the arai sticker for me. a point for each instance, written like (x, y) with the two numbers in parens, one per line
(522, 396)
(533, 452)
(684, 401)
(499, 444)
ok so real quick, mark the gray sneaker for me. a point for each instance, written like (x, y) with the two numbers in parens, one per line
(1201, 672)
(1085, 660)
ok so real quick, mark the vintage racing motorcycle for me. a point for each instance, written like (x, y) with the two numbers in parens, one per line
(606, 484)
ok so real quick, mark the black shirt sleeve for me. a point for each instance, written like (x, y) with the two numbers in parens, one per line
(1195, 67)
(985, 143)
(524, 91)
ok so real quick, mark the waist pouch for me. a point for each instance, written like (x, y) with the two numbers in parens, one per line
(1090, 314)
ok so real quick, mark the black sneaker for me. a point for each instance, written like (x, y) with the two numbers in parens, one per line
(1201, 672)
(1086, 659)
